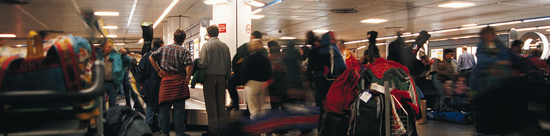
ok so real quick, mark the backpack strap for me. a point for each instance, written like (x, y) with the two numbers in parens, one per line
(67, 59)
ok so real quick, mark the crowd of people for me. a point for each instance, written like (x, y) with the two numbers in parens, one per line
(165, 73)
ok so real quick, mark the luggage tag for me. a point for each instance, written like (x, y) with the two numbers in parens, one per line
(365, 96)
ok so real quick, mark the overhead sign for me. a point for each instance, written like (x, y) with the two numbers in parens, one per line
(222, 27)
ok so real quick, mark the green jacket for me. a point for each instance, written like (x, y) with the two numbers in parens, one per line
(119, 63)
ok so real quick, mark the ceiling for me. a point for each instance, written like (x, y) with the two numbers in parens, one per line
(291, 17)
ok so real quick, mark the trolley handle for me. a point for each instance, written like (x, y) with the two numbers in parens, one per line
(49, 96)
(396, 72)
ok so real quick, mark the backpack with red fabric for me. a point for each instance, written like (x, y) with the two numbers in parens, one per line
(342, 92)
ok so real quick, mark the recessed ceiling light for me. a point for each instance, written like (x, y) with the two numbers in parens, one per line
(287, 38)
(256, 11)
(7, 35)
(164, 13)
(110, 36)
(110, 27)
(505, 23)
(469, 25)
(256, 3)
(257, 16)
(373, 21)
(106, 13)
(320, 31)
(456, 5)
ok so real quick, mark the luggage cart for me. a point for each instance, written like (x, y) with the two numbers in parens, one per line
(397, 122)
(50, 112)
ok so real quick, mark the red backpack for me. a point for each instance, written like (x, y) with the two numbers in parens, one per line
(342, 92)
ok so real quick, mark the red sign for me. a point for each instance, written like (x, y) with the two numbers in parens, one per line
(222, 27)
(248, 28)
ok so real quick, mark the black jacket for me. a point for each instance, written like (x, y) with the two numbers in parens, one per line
(256, 67)
(150, 79)
(124, 121)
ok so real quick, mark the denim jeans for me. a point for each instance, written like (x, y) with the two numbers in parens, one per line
(112, 92)
(150, 114)
(178, 116)
(440, 98)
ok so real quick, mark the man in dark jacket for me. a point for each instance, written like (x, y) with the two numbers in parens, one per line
(236, 65)
(150, 84)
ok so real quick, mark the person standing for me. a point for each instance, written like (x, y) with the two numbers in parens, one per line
(256, 70)
(445, 72)
(277, 89)
(150, 85)
(216, 59)
(466, 62)
(237, 62)
(175, 70)
(113, 63)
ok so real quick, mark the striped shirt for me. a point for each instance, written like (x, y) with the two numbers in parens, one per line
(173, 58)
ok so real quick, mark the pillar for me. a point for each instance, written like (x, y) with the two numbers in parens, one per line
(236, 17)
(171, 25)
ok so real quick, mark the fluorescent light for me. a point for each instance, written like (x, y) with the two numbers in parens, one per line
(119, 44)
(132, 13)
(447, 30)
(320, 31)
(106, 13)
(257, 16)
(409, 40)
(469, 25)
(164, 13)
(442, 39)
(110, 27)
(536, 19)
(526, 29)
(96, 44)
(7, 35)
(456, 5)
(256, 11)
(473, 27)
(548, 30)
(543, 27)
(256, 3)
(211, 2)
(373, 21)
(505, 23)
(352, 42)
(381, 44)
(110, 36)
(140, 40)
(287, 38)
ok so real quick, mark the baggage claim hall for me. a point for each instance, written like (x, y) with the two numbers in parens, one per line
(275, 67)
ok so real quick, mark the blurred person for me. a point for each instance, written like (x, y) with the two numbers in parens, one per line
(348, 57)
(175, 70)
(150, 85)
(493, 61)
(216, 60)
(516, 47)
(127, 86)
(535, 58)
(466, 62)
(444, 72)
(277, 89)
(237, 63)
(256, 70)
(113, 62)
(304, 54)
